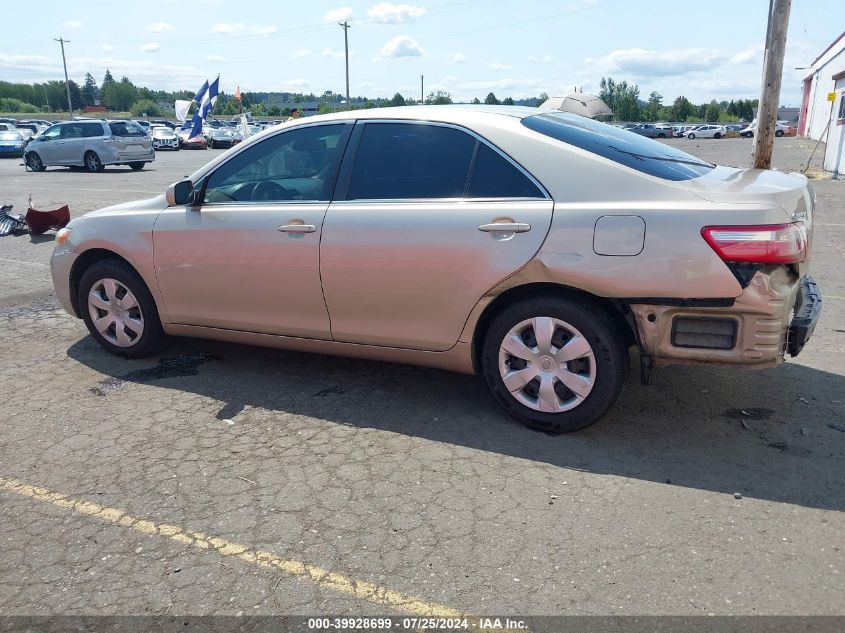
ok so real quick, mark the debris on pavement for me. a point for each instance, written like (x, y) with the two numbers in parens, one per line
(11, 223)
(40, 222)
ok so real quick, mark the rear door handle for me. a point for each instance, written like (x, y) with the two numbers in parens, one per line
(505, 227)
(297, 228)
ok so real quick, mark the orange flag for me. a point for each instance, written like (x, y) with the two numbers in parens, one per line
(238, 93)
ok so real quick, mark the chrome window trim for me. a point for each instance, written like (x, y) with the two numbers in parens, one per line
(460, 128)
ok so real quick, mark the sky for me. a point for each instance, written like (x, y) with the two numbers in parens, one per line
(517, 48)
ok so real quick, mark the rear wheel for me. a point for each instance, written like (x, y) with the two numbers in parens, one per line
(34, 162)
(136, 166)
(717, 135)
(778, 133)
(93, 162)
(119, 310)
(555, 364)
(661, 135)
(690, 135)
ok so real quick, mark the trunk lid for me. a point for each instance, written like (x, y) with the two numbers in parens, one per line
(790, 192)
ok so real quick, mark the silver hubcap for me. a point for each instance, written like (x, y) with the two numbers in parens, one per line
(547, 365)
(115, 312)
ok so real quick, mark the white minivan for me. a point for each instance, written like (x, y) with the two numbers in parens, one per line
(92, 144)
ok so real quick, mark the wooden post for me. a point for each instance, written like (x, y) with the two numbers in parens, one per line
(767, 110)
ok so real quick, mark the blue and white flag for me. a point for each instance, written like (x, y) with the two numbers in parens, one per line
(201, 92)
(195, 125)
(208, 102)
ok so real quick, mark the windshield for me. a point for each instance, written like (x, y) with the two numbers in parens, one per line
(624, 147)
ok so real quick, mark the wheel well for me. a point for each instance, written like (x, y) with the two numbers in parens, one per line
(618, 311)
(83, 263)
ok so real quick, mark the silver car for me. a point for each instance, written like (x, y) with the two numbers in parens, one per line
(534, 249)
(92, 144)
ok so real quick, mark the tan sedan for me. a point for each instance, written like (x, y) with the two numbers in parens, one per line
(534, 248)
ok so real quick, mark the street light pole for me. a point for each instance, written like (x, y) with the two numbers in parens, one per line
(345, 26)
(64, 63)
(767, 110)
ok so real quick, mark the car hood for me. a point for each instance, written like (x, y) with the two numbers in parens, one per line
(155, 204)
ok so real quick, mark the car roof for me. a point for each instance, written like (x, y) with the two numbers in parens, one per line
(441, 113)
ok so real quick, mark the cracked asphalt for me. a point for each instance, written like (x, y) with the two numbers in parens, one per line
(711, 491)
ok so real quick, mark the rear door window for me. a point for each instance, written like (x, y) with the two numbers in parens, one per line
(398, 161)
(493, 176)
(92, 129)
(626, 148)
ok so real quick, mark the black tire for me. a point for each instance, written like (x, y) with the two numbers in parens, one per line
(93, 162)
(690, 135)
(778, 133)
(136, 166)
(609, 352)
(34, 162)
(661, 135)
(153, 338)
(717, 135)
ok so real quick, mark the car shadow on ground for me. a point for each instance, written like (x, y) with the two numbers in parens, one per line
(777, 434)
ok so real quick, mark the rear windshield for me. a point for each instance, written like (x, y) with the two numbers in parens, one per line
(10, 136)
(632, 150)
(126, 128)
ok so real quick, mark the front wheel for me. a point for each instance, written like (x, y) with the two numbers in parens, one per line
(119, 310)
(778, 133)
(136, 166)
(690, 135)
(93, 162)
(34, 162)
(555, 364)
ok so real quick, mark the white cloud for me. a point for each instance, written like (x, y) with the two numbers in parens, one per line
(228, 27)
(215, 58)
(72, 24)
(388, 13)
(647, 63)
(499, 66)
(456, 58)
(747, 56)
(152, 47)
(264, 30)
(303, 52)
(400, 46)
(338, 15)
(366, 85)
(108, 48)
(291, 84)
(161, 27)
(545, 59)
(332, 53)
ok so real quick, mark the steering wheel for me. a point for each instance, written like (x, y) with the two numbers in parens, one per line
(267, 190)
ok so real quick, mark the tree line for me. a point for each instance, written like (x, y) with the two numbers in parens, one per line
(124, 96)
(624, 99)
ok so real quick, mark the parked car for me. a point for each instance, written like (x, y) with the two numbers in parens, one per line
(781, 129)
(427, 236)
(92, 144)
(650, 131)
(164, 138)
(665, 129)
(707, 131)
(165, 123)
(11, 144)
(220, 137)
(186, 141)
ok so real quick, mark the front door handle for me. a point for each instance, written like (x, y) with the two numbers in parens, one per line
(505, 227)
(297, 228)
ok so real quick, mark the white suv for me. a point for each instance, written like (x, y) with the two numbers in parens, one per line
(707, 131)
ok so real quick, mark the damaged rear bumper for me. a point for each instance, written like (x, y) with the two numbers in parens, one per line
(756, 331)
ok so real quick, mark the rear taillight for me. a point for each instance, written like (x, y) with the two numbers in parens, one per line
(761, 244)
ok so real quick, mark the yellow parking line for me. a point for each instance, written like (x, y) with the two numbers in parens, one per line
(323, 578)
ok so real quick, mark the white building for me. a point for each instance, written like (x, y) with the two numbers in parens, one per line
(821, 118)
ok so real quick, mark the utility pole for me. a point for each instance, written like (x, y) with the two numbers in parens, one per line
(422, 90)
(767, 110)
(67, 83)
(46, 97)
(345, 26)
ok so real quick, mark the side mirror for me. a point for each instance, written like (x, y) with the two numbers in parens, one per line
(180, 193)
